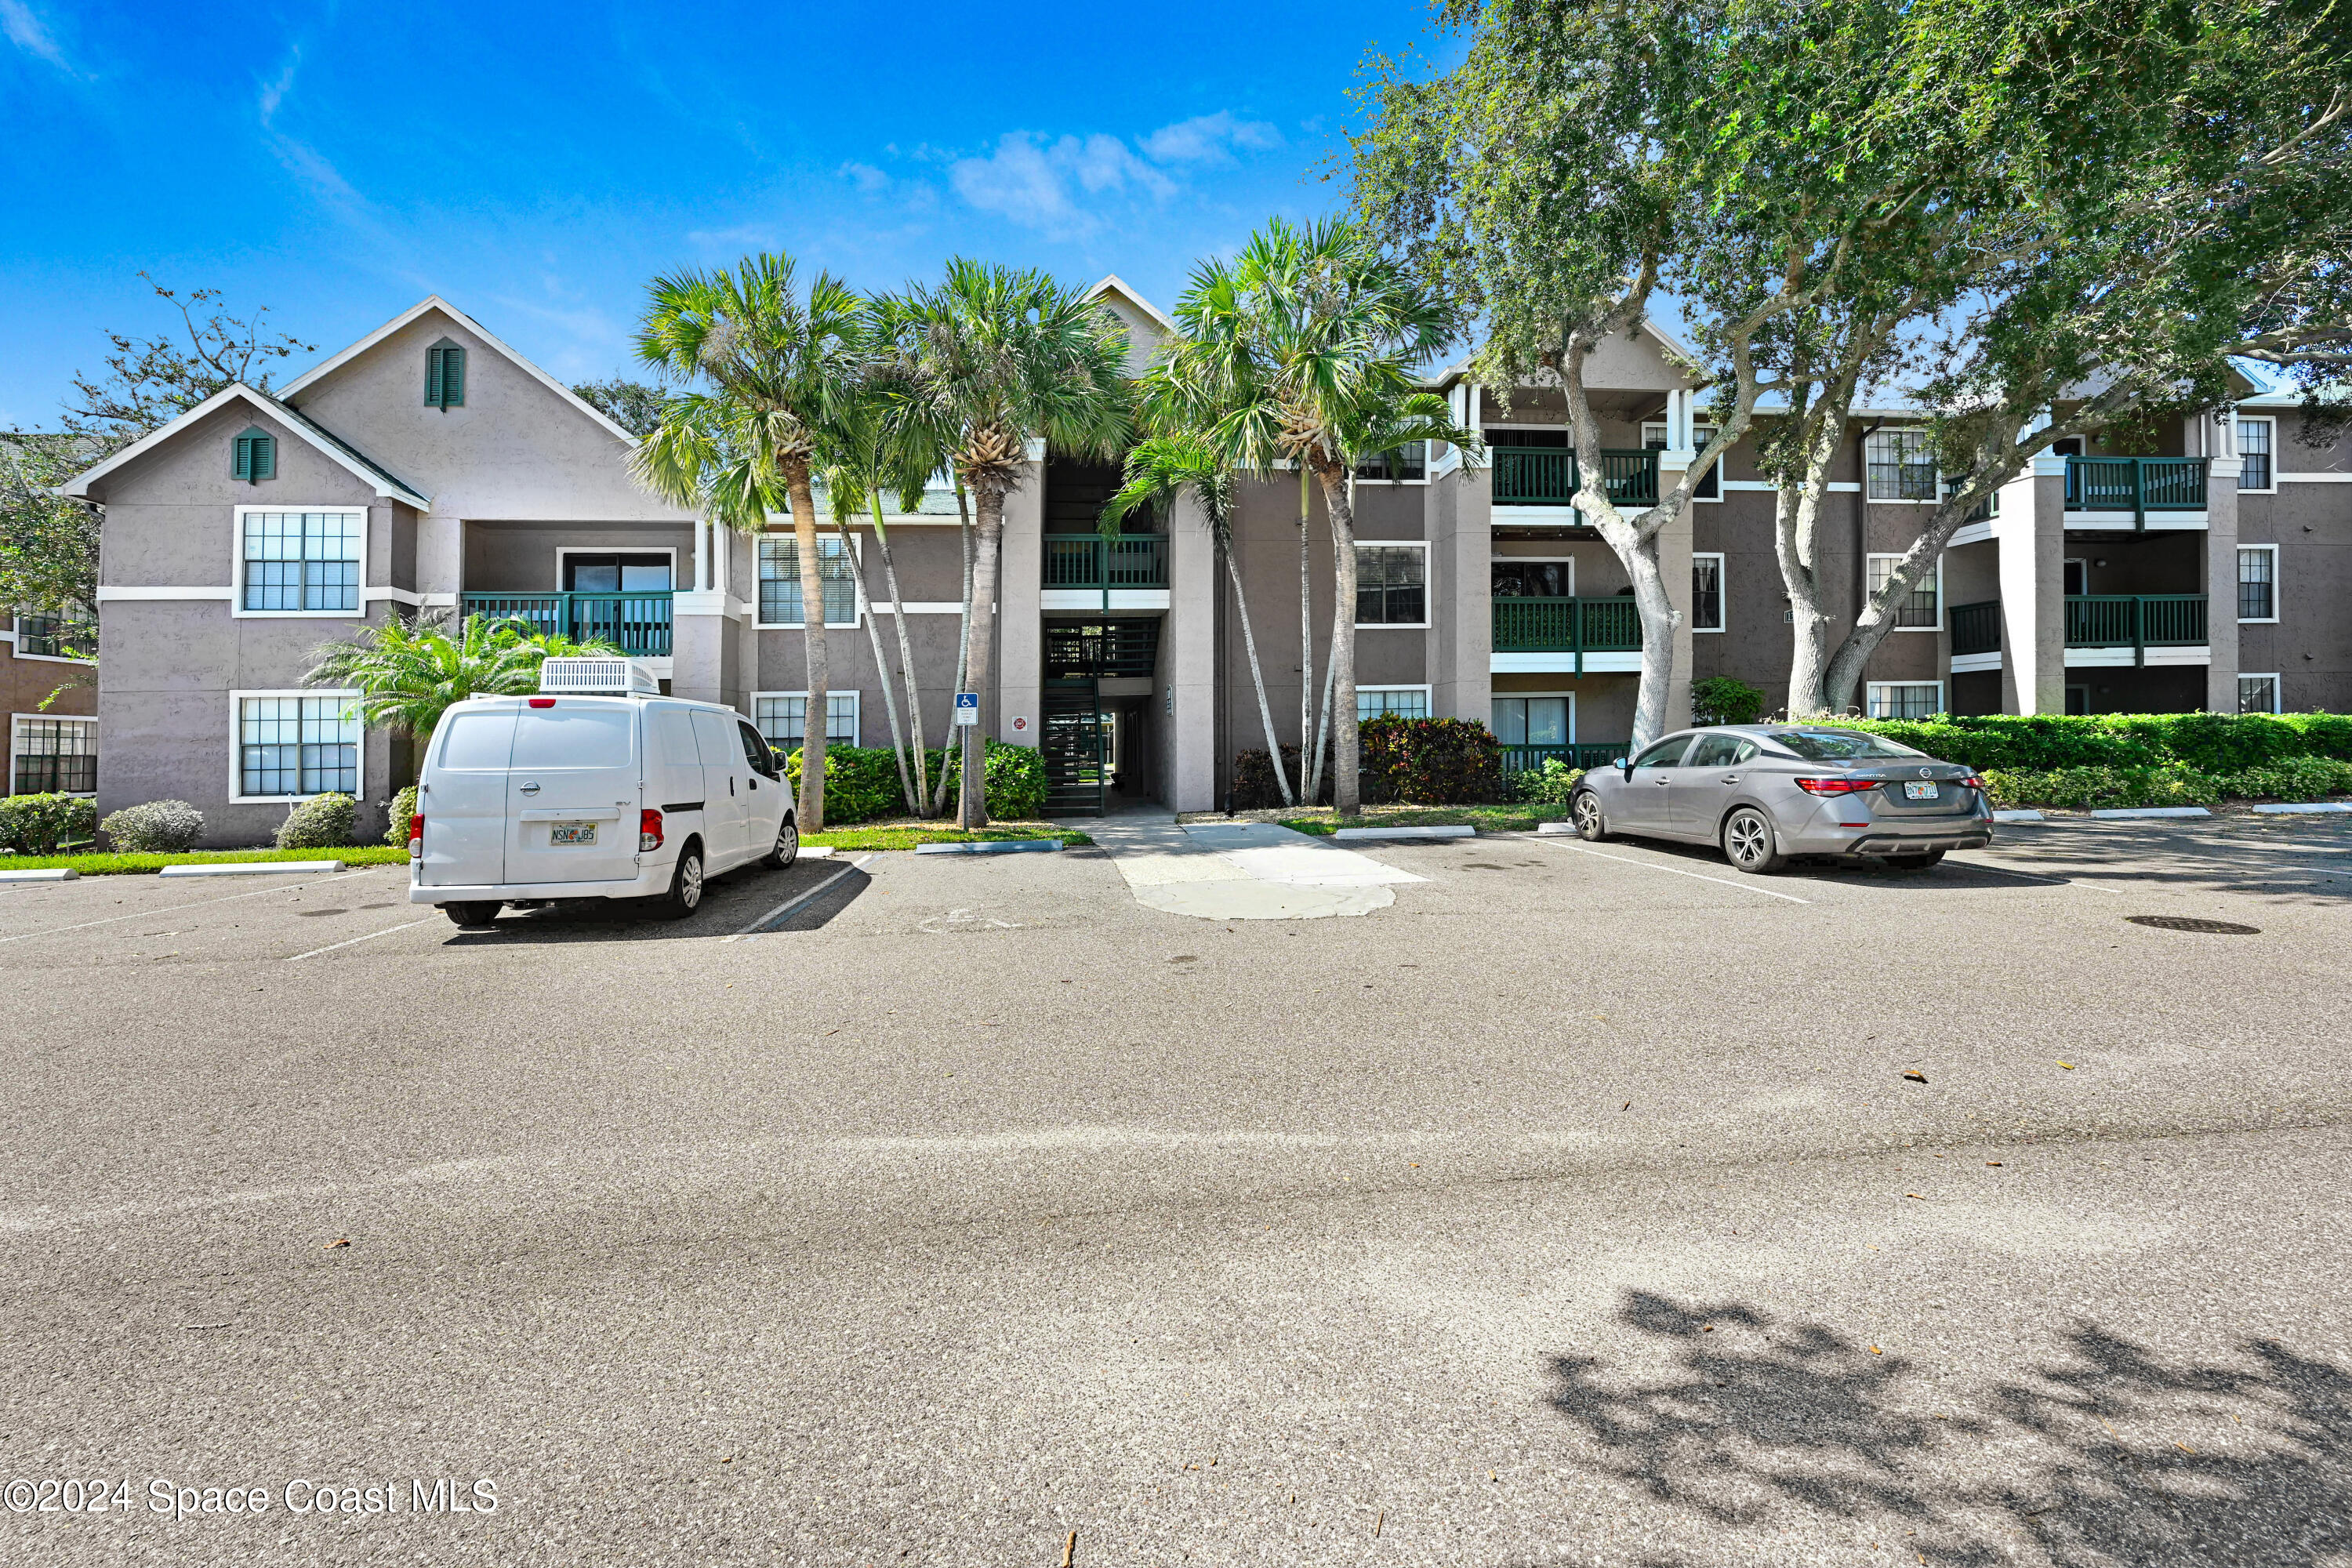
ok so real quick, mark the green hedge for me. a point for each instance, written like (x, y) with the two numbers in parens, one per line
(1431, 761)
(861, 782)
(2083, 789)
(37, 824)
(2043, 742)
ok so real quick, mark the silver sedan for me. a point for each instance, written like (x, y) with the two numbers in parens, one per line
(1768, 793)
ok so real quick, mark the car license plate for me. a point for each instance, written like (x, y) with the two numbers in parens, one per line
(563, 833)
(1915, 790)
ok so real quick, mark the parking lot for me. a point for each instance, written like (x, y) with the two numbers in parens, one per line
(1587, 1204)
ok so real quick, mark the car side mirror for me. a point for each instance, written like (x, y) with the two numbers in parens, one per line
(1627, 765)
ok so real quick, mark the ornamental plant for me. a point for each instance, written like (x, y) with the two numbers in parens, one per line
(322, 822)
(37, 824)
(158, 827)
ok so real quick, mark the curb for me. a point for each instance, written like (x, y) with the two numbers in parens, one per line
(48, 874)
(250, 868)
(1556, 829)
(992, 846)
(2113, 812)
(1361, 832)
(2301, 808)
(2020, 816)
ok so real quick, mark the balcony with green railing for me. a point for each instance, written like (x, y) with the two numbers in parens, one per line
(2135, 485)
(1583, 755)
(1573, 627)
(1090, 560)
(638, 624)
(2135, 621)
(1548, 476)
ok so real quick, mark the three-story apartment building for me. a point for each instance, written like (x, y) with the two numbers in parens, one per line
(430, 466)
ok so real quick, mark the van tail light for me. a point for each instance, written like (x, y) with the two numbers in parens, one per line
(1836, 787)
(649, 832)
(542, 701)
(417, 836)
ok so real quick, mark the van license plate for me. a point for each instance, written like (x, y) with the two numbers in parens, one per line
(564, 833)
(1917, 791)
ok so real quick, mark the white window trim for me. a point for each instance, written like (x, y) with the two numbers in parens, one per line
(237, 571)
(237, 743)
(18, 648)
(1540, 561)
(564, 549)
(1723, 595)
(1420, 625)
(1897, 555)
(17, 722)
(856, 714)
(1870, 696)
(1427, 463)
(1495, 696)
(856, 578)
(1427, 704)
(2272, 618)
(2278, 686)
(2271, 420)
(1894, 500)
(2082, 561)
(1702, 434)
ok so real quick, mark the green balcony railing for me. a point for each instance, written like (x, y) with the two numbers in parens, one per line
(1548, 476)
(2135, 485)
(1976, 628)
(2135, 621)
(1090, 560)
(1583, 754)
(639, 625)
(1576, 626)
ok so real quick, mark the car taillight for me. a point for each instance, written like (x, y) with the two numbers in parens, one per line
(417, 836)
(1974, 780)
(1836, 787)
(649, 832)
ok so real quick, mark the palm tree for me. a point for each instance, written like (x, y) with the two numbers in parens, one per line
(1161, 469)
(998, 359)
(772, 375)
(408, 673)
(1299, 351)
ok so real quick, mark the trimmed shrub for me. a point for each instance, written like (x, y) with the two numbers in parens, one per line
(402, 807)
(158, 827)
(1254, 788)
(37, 824)
(322, 822)
(2045, 743)
(1429, 761)
(1721, 700)
(2298, 778)
(1550, 785)
(861, 782)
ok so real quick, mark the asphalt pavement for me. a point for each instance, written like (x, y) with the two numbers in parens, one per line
(1584, 1204)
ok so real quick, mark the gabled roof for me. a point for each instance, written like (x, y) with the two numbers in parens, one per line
(431, 302)
(1648, 323)
(368, 471)
(1113, 283)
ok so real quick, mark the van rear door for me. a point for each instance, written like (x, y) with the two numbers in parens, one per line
(572, 793)
(464, 800)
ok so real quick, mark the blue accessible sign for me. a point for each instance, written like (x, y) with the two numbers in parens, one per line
(967, 707)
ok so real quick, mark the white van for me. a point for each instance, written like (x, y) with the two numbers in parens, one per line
(597, 788)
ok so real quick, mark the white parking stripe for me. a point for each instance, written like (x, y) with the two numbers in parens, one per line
(409, 925)
(167, 909)
(789, 905)
(1677, 871)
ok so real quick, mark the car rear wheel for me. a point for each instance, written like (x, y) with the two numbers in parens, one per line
(474, 912)
(1748, 842)
(787, 847)
(1919, 862)
(685, 895)
(1584, 812)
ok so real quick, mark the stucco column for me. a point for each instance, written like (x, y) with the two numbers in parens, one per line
(1189, 664)
(2220, 433)
(1021, 634)
(440, 559)
(2032, 542)
(1674, 564)
(1460, 524)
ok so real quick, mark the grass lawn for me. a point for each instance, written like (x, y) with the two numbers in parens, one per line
(90, 864)
(1323, 822)
(908, 832)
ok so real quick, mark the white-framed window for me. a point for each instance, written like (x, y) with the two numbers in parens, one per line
(2257, 582)
(1707, 591)
(286, 745)
(1901, 466)
(780, 581)
(2258, 694)
(1396, 702)
(1905, 699)
(1392, 585)
(782, 718)
(2258, 448)
(67, 637)
(1535, 719)
(1922, 610)
(1409, 464)
(52, 755)
(299, 561)
(1710, 483)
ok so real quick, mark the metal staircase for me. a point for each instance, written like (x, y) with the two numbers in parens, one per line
(1072, 742)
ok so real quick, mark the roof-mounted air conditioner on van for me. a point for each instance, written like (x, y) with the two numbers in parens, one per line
(597, 677)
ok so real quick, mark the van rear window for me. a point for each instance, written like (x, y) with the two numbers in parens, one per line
(477, 741)
(579, 738)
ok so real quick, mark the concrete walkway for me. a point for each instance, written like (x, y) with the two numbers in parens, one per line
(1243, 870)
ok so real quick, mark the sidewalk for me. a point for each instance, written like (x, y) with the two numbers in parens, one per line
(1243, 870)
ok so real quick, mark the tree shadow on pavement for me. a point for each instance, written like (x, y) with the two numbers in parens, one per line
(2109, 1454)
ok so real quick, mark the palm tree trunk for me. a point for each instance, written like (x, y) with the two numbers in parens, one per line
(963, 651)
(905, 659)
(972, 808)
(1306, 653)
(1344, 794)
(813, 721)
(1258, 674)
(882, 665)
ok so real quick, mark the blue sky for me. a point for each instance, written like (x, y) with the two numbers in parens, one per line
(537, 164)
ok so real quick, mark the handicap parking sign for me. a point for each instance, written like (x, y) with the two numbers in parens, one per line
(967, 707)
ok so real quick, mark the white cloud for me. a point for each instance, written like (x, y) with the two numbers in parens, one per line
(866, 176)
(745, 237)
(1209, 139)
(30, 34)
(1037, 183)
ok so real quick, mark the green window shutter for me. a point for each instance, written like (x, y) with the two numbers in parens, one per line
(265, 457)
(433, 377)
(242, 469)
(453, 377)
(255, 455)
